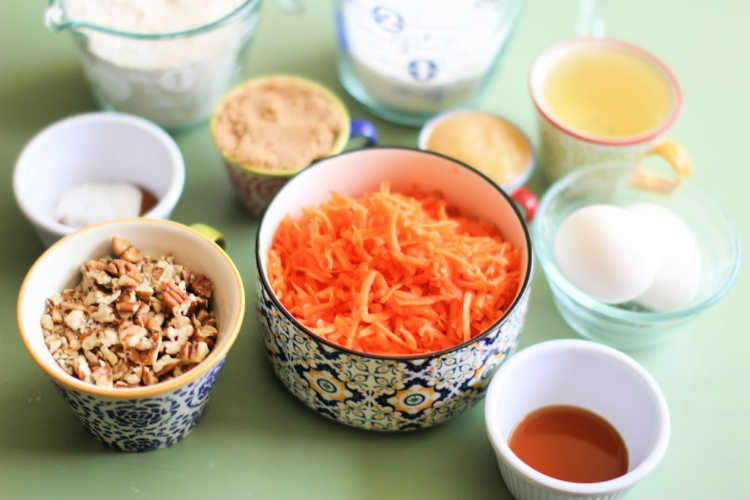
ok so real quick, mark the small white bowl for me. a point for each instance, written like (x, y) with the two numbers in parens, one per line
(95, 146)
(588, 375)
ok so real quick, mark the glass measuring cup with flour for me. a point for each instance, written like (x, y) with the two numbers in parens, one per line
(407, 60)
(167, 60)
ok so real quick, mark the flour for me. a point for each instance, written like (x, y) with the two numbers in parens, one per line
(170, 81)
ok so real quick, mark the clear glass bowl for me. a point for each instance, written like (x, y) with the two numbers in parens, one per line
(630, 326)
(173, 79)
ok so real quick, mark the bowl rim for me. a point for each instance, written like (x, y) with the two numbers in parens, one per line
(262, 171)
(65, 23)
(261, 277)
(426, 131)
(630, 478)
(214, 357)
(165, 203)
(569, 45)
(557, 280)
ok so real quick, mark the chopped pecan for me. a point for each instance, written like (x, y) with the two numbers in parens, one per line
(81, 367)
(201, 285)
(131, 320)
(131, 335)
(102, 375)
(148, 377)
(95, 264)
(119, 245)
(47, 322)
(132, 254)
(165, 364)
(133, 376)
(173, 296)
(89, 340)
(126, 306)
(194, 352)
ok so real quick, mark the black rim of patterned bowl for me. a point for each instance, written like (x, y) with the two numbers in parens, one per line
(261, 277)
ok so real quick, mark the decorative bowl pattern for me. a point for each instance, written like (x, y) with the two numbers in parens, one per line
(254, 190)
(143, 424)
(143, 417)
(385, 394)
(376, 392)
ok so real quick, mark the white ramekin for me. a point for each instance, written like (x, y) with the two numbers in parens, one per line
(588, 375)
(95, 146)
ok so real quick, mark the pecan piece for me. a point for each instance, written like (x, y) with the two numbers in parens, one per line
(201, 285)
(133, 376)
(131, 335)
(165, 364)
(102, 375)
(148, 377)
(81, 367)
(173, 296)
(132, 254)
(194, 352)
(126, 306)
(119, 245)
(75, 319)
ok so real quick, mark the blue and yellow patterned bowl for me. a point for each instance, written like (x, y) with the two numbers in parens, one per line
(147, 417)
(378, 392)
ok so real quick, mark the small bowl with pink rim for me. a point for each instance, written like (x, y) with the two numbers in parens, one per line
(564, 148)
(588, 375)
(515, 187)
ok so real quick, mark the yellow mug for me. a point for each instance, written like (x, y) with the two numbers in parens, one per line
(564, 149)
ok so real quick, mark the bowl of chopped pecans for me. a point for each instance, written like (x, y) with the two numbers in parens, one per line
(132, 319)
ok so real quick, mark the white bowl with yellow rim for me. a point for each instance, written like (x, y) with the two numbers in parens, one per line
(488, 142)
(146, 417)
(255, 185)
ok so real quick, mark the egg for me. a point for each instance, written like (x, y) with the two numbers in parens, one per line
(678, 277)
(605, 251)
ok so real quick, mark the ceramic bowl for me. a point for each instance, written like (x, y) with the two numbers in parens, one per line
(95, 146)
(139, 418)
(588, 375)
(630, 326)
(515, 188)
(380, 392)
(256, 185)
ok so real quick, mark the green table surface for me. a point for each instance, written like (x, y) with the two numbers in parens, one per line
(255, 440)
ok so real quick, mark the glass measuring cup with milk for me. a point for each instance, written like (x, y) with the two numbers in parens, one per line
(407, 61)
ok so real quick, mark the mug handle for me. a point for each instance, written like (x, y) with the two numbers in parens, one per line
(528, 201)
(365, 129)
(677, 156)
(210, 234)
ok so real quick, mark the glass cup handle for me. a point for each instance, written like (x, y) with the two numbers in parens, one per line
(591, 18)
(673, 153)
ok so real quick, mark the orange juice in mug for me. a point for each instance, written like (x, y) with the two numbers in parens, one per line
(601, 99)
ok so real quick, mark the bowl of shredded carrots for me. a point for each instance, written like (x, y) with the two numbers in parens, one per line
(392, 283)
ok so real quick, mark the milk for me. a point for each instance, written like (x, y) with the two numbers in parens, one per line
(422, 55)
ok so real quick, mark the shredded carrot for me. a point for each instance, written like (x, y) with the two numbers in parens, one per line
(392, 274)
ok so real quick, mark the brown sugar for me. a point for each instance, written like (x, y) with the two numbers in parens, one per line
(279, 123)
